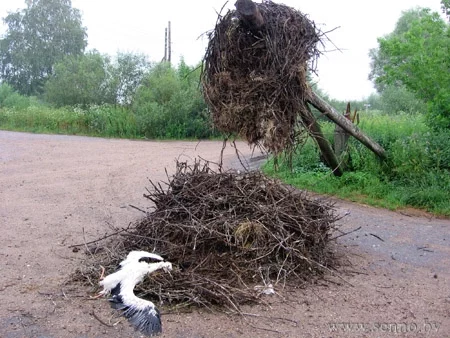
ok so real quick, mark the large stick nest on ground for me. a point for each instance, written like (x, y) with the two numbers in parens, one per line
(254, 80)
(226, 233)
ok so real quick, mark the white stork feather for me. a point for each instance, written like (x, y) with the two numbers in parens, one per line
(141, 313)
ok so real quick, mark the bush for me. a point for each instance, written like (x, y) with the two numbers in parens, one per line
(109, 120)
(438, 115)
(151, 120)
(413, 158)
(11, 99)
(78, 80)
(395, 99)
(169, 104)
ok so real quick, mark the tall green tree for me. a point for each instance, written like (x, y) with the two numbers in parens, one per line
(379, 57)
(418, 59)
(93, 78)
(36, 38)
(80, 79)
(127, 73)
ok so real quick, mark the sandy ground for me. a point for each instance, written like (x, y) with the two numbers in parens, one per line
(56, 191)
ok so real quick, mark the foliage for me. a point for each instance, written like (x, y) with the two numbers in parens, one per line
(379, 57)
(79, 79)
(374, 101)
(416, 173)
(36, 38)
(445, 5)
(169, 103)
(416, 56)
(104, 120)
(92, 79)
(9, 98)
(431, 153)
(35, 118)
(127, 73)
(395, 99)
(110, 121)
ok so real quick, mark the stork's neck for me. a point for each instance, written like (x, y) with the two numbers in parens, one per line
(130, 299)
(135, 275)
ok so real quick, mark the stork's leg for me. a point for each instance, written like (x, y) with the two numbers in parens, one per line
(97, 296)
(102, 274)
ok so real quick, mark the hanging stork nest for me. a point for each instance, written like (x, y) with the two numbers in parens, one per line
(255, 69)
(229, 236)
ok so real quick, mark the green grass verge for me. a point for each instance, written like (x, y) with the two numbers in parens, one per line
(416, 173)
(368, 189)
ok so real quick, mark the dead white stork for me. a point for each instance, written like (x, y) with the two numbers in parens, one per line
(141, 313)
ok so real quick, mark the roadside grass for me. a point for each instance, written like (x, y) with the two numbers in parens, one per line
(369, 189)
(104, 121)
(100, 121)
(416, 173)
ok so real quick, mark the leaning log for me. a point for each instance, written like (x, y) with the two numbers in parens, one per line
(326, 150)
(331, 113)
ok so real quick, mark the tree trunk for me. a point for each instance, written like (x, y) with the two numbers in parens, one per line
(325, 148)
(345, 124)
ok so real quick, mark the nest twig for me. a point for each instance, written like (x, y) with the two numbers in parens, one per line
(225, 233)
(255, 81)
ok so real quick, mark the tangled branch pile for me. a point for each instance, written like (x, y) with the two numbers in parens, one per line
(254, 80)
(225, 233)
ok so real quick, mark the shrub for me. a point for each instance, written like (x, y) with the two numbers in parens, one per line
(395, 99)
(11, 99)
(169, 104)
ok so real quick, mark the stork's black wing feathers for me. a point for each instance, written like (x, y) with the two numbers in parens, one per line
(116, 300)
(146, 320)
(116, 290)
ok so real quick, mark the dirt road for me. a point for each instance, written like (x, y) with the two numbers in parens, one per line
(56, 191)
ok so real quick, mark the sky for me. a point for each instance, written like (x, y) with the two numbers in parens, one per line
(138, 26)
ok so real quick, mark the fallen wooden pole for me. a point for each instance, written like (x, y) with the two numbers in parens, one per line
(345, 124)
(326, 150)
